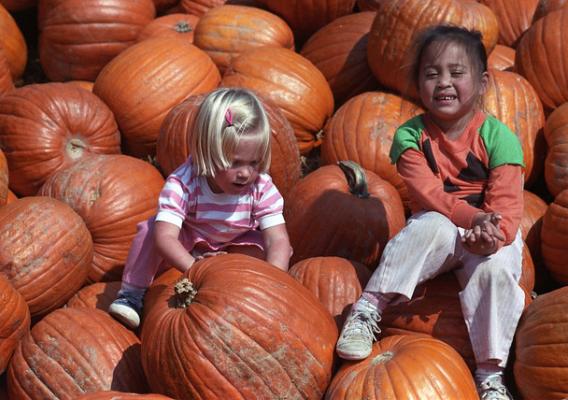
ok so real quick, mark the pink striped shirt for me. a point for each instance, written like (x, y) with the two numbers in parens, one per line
(217, 219)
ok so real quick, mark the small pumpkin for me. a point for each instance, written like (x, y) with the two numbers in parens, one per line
(502, 58)
(14, 320)
(235, 326)
(225, 32)
(405, 367)
(73, 351)
(335, 281)
(339, 51)
(326, 209)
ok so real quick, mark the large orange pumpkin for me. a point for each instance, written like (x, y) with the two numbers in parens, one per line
(45, 251)
(171, 25)
(79, 37)
(173, 143)
(398, 21)
(554, 236)
(199, 7)
(227, 31)
(14, 320)
(307, 16)
(112, 193)
(339, 51)
(6, 82)
(538, 56)
(547, 6)
(73, 351)
(556, 135)
(514, 18)
(50, 126)
(344, 211)
(501, 58)
(292, 83)
(144, 82)
(512, 99)
(13, 43)
(435, 310)
(405, 367)
(362, 131)
(335, 281)
(114, 395)
(541, 345)
(531, 223)
(248, 330)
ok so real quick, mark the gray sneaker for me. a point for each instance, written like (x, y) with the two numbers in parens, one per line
(359, 330)
(127, 309)
(493, 388)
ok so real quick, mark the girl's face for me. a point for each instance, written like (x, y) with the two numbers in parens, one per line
(243, 171)
(450, 85)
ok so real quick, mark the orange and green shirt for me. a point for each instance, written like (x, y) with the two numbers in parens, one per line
(481, 170)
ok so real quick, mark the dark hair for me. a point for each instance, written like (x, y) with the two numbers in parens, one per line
(470, 40)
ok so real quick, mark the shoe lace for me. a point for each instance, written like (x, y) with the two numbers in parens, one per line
(365, 322)
(493, 389)
(133, 300)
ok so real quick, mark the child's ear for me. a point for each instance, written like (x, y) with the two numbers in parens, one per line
(484, 82)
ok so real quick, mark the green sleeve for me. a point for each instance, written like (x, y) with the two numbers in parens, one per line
(407, 136)
(502, 145)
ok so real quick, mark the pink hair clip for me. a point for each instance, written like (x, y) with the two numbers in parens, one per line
(229, 117)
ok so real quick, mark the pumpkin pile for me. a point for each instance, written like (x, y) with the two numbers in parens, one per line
(96, 99)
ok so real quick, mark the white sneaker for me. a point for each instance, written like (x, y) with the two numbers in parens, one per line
(358, 333)
(126, 309)
(493, 388)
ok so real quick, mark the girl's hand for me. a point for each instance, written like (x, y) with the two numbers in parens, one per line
(209, 254)
(483, 237)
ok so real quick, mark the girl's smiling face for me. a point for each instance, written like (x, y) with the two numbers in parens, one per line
(450, 85)
(243, 171)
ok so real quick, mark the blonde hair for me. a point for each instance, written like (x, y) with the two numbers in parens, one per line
(225, 117)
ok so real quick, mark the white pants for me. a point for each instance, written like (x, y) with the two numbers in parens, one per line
(491, 299)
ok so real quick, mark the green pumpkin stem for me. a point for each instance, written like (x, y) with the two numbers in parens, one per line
(356, 178)
(185, 292)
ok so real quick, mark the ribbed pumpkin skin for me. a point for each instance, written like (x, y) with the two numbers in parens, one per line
(173, 145)
(538, 54)
(14, 320)
(531, 223)
(556, 135)
(199, 7)
(324, 219)
(405, 367)
(172, 25)
(541, 345)
(339, 51)
(4, 190)
(335, 281)
(113, 395)
(144, 82)
(545, 7)
(307, 16)
(501, 58)
(292, 83)
(112, 193)
(252, 331)
(72, 351)
(50, 126)
(13, 43)
(398, 21)
(6, 82)
(512, 100)
(96, 295)
(79, 37)
(45, 251)
(227, 31)
(435, 310)
(514, 18)
(554, 236)
(362, 131)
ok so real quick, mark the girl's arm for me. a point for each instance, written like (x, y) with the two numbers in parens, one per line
(166, 240)
(277, 246)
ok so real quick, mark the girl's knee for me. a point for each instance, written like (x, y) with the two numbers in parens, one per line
(432, 225)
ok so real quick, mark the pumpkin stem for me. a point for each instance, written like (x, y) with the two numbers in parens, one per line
(75, 148)
(183, 27)
(356, 178)
(185, 292)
